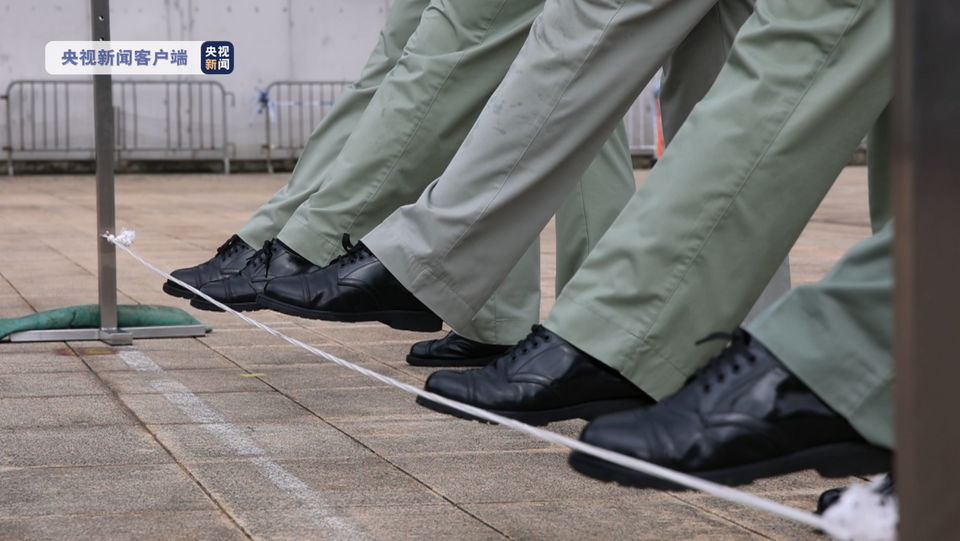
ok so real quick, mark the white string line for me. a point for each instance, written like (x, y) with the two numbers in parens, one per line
(642, 466)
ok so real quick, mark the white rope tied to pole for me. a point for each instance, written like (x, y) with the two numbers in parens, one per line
(836, 531)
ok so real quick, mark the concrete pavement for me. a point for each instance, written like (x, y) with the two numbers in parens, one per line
(239, 435)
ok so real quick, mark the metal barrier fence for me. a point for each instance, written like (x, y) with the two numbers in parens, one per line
(166, 119)
(641, 122)
(296, 107)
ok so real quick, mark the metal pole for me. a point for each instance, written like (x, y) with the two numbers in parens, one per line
(927, 258)
(106, 215)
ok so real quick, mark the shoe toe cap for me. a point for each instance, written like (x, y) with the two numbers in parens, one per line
(422, 349)
(285, 288)
(622, 432)
(217, 289)
(189, 276)
(449, 384)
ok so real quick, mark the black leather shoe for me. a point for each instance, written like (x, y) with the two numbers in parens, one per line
(240, 291)
(741, 417)
(230, 258)
(454, 350)
(353, 287)
(540, 380)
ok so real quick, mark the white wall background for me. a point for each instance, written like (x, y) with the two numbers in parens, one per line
(275, 40)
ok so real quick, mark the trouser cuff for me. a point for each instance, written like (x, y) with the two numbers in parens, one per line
(442, 299)
(599, 337)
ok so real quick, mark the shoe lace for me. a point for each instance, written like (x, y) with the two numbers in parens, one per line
(230, 247)
(734, 354)
(263, 255)
(538, 335)
(354, 253)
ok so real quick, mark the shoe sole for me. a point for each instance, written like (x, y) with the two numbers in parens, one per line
(202, 304)
(413, 360)
(836, 460)
(587, 411)
(175, 290)
(397, 319)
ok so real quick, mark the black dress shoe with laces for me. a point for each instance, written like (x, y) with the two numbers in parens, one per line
(454, 350)
(540, 380)
(230, 258)
(240, 291)
(353, 287)
(741, 417)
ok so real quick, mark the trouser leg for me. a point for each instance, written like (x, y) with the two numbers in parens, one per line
(588, 211)
(836, 336)
(417, 120)
(326, 142)
(581, 68)
(415, 123)
(879, 147)
(593, 205)
(724, 205)
(703, 52)
(688, 74)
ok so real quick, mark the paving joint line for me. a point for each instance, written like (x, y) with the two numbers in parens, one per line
(19, 294)
(390, 462)
(232, 436)
(176, 460)
(718, 515)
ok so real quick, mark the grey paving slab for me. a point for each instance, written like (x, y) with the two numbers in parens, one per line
(393, 352)
(45, 302)
(380, 402)
(198, 381)
(38, 363)
(24, 272)
(198, 358)
(518, 485)
(51, 348)
(517, 476)
(651, 515)
(266, 355)
(69, 411)
(799, 490)
(251, 336)
(350, 334)
(300, 438)
(63, 384)
(246, 485)
(236, 407)
(79, 446)
(13, 305)
(395, 523)
(199, 525)
(437, 435)
(157, 344)
(103, 490)
(326, 376)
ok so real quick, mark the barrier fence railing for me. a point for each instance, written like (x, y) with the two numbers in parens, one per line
(52, 120)
(641, 122)
(295, 108)
(292, 110)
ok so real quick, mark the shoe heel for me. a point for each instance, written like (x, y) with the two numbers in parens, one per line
(417, 322)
